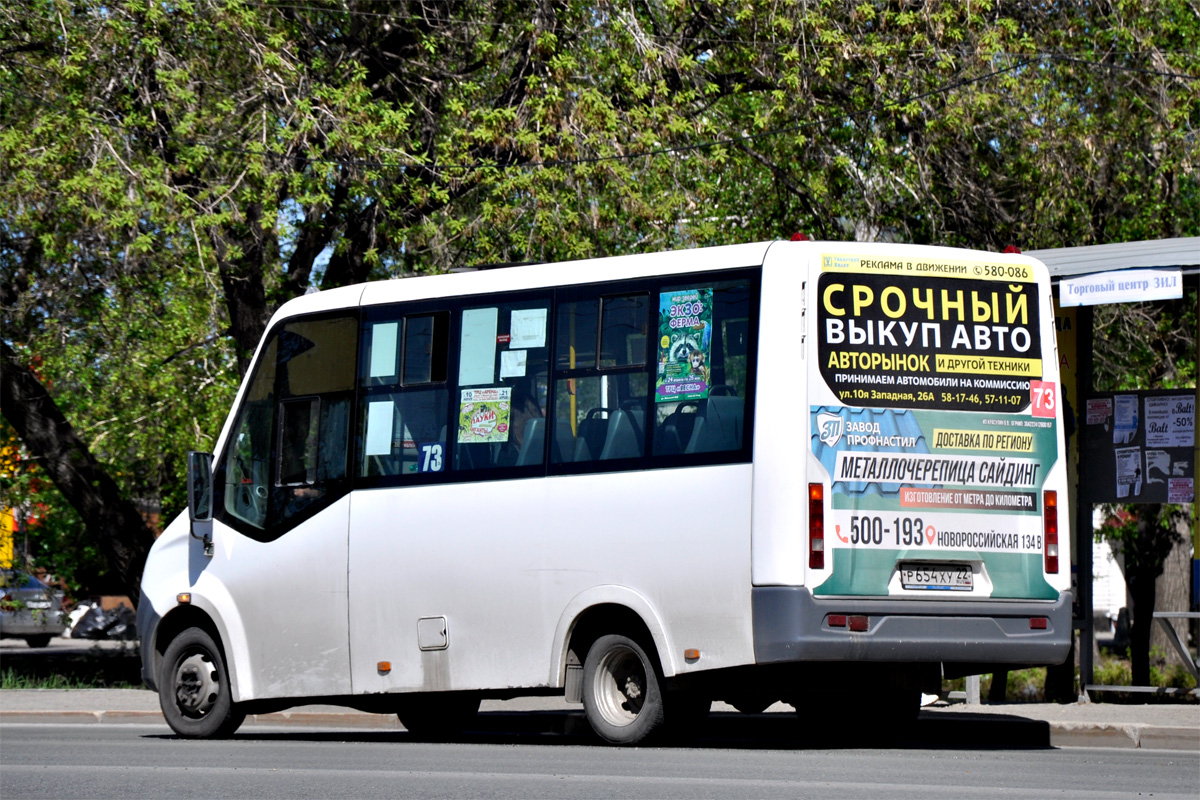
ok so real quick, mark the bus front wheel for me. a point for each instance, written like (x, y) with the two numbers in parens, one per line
(622, 694)
(193, 688)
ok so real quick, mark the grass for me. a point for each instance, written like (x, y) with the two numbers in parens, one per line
(96, 668)
(1029, 685)
(1022, 686)
(12, 679)
(1113, 671)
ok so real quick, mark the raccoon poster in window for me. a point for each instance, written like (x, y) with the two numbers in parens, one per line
(685, 345)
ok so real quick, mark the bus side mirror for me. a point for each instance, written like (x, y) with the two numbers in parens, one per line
(200, 495)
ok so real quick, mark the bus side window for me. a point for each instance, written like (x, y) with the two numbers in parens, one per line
(601, 391)
(288, 455)
(246, 465)
(316, 389)
(499, 406)
(702, 368)
(402, 429)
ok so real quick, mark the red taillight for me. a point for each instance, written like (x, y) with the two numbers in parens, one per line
(837, 620)
(1050, 530)
(858, 622)
(816, 526)
(1038, 623)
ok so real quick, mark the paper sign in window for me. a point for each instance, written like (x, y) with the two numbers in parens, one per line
(384, 336)
(483, 415)
(379, 428)
(528, 328)
(477, 357)
(512, 363)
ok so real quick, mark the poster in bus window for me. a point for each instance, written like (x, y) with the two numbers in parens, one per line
(685, 345)
(483, 415)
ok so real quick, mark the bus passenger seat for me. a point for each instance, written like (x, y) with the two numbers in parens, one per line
(624, 435)
(533, 442)
(721, 426)
(563, 446)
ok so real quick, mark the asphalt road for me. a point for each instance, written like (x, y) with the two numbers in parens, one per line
(80, 761)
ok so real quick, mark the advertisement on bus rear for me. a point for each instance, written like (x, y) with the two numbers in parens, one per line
(935, 417)
(951, 335)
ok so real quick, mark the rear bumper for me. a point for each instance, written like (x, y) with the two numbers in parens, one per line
(791, 625)
(22, 623)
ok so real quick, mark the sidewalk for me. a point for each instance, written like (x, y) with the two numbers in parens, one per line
(1158, 726)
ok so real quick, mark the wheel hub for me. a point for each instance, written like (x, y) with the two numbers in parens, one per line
(621, 682)
(196, 685)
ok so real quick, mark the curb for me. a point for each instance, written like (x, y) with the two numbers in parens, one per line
(1129, 736)
(1134, 735)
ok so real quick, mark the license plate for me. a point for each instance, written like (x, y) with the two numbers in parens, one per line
(38, 604)
(938, 577)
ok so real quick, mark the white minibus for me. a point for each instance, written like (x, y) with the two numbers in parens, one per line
(784, 471)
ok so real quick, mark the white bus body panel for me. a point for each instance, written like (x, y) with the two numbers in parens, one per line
(280, 607)
(509, 564)
(781, 439)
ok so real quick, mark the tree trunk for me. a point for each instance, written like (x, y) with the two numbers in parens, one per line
(112, 521)
(1141, 589)
(1173, 593)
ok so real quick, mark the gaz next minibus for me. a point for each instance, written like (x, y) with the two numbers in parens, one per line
(755, 473)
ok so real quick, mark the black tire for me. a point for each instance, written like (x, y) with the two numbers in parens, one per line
(438, 716)
(622, 691)
(193, 688)
(41, 640)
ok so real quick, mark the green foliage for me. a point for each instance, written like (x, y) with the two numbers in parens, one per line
(1144, 533)
(1113, 672)
(1022, 685)
(1118, 672)
(171, 174)
(1146, 345)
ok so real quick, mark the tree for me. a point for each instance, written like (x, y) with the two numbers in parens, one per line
(170, 174)
(1145, 535)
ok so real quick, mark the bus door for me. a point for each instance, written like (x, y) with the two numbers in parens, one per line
(280, 535)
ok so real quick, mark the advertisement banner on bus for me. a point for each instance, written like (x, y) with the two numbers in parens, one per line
(949, 335)
(936, 485)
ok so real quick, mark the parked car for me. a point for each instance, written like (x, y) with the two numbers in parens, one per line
(29, 609)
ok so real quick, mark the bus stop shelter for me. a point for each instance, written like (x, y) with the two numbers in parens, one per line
(1112, 273)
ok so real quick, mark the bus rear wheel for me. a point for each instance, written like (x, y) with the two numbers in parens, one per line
(622, 693)
(193, 688)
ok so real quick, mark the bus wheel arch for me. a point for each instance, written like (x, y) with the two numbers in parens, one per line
(610, 618)
(620, 673)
